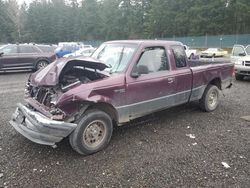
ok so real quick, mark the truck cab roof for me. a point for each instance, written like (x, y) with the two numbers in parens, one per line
(147, 42)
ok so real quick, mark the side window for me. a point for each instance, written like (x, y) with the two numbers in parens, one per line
(10, 49)
(238, 51)
(179, 56)
(28, 49)
(152, 60)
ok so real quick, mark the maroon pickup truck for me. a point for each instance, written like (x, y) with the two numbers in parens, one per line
(84, 97)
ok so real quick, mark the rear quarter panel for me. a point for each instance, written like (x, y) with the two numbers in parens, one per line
(204, 74)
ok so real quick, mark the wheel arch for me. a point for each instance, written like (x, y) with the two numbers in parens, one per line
(105, 107)
(216, 82)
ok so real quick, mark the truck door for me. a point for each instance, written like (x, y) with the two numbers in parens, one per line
(150, 85)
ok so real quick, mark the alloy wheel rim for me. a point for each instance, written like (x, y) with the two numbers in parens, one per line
(94, 134)
(41, 65)
(212, 99)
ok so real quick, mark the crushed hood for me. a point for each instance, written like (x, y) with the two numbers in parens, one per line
(49, 76)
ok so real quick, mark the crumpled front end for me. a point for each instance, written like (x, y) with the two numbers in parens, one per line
(39, 128)
(51, 101)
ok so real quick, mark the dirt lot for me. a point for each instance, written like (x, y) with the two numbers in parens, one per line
(157, 151)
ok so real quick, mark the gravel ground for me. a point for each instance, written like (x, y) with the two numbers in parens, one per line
(179, 147)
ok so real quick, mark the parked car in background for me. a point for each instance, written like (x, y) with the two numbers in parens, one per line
(241, 58)
(83, 98)
(213, 52)
(47, 48)
(88, 46)
(82, 51)
(66, 48)
(24, 56)
(191, 53)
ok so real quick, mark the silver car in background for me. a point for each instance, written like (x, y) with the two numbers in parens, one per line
(241, 58)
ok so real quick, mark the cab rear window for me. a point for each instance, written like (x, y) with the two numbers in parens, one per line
(179, 56)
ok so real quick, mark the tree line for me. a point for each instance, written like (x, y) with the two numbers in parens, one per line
(51, 21)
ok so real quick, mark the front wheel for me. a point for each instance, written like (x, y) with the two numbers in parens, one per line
(210, 98)
(93, 132)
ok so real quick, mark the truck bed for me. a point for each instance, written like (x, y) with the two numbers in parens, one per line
(195, 63)
(206, 70)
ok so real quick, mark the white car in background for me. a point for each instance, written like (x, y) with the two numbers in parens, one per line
(82, 51)
(241, 58)
(213, 52)
(191, 53)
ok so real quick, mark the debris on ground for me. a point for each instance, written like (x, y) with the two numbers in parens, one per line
(191, 136)
(246, 118)
(225, 164)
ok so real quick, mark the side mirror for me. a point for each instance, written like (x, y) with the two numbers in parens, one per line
(1, 54)
(138, 71)
(135, 74)
(242, 54)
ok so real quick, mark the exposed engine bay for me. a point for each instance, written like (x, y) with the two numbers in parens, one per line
(72, 75)
(78, 75)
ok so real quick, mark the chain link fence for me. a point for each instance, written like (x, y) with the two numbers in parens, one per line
(223, 41)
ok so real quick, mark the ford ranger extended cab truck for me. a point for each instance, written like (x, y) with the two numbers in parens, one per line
(84, 97)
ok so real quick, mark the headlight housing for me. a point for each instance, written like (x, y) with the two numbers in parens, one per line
(238, 62)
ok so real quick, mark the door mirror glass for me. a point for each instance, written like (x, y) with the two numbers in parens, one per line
(139, 70)
(242, 54)
(142, 69)
(135, 74)
(1, 54)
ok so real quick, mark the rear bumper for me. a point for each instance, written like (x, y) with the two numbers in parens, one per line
(38, 128)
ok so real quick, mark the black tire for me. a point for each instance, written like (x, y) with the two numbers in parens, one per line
(206, 102)
(79, 137)
(41, 64)
(239, 77)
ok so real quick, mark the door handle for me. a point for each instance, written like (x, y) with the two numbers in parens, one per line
(171, 80)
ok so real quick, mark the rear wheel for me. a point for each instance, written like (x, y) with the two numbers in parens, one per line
(41, 64)
(239, 77)
(210, 98)
(93, 132)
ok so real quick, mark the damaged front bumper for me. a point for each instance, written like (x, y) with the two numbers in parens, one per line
(38, 128)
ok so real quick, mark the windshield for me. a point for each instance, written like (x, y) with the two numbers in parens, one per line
(115, 56)
(212, 50)
(248, 50)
